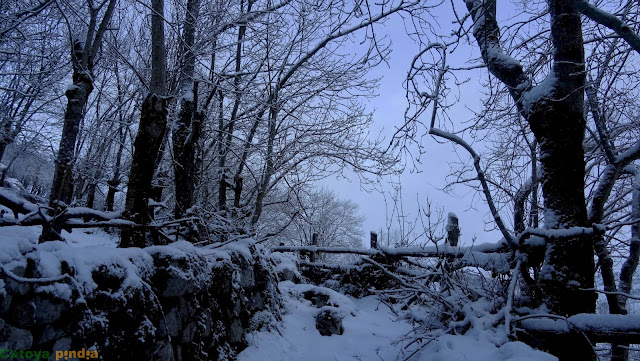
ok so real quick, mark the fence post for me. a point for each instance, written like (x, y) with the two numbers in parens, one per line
(314, 242)
(374, 240)
(453, 229)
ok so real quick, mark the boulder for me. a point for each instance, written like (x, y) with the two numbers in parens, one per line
(317, 299)
(329, 322)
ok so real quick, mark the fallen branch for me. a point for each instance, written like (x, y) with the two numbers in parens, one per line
(623, 329)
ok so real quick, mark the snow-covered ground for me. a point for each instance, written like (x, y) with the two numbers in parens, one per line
(371, 332)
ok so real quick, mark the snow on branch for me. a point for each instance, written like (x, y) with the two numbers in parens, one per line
(483, 181)
(74, 217)
(15, 203)
(599, 328)
(489, 256)
(610, 21)
(504, 67)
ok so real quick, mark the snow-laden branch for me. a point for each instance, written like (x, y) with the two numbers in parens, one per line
(483, 182)
(429, 251)
(626, 295)
(46, 280)
(610, 21)
(599, 328)
(488, 256)
(70, 218)
(15, 203)
(416, 287)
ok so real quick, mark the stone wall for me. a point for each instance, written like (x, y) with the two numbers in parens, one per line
(174, 302)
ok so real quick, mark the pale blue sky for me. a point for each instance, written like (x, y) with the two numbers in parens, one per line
(417, 187)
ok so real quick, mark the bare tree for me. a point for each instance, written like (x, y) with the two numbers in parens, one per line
(153, 123)
(83, 56)
(538, 82)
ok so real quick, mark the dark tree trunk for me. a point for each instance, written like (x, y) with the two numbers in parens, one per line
(153, 120)
(91, 194)
(114, 182)
(77, 95)
(186, 132)
(558, 123)
(151, 131)
(3, 147)
(555, 114)
(185, 139)
(62, 185)
(82, 59)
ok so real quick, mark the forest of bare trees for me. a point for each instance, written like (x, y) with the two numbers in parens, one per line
(213, 120)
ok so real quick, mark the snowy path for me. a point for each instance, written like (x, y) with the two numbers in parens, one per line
(369, 335)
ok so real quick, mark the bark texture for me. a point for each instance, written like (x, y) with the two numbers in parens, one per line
(151, 131)
(153, 123)
(555, 112)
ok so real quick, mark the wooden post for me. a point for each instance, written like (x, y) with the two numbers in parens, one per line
(453, 229)
(374, 240)
(314, 242)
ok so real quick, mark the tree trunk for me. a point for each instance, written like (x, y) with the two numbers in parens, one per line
(153, 123)
(557, 120)
(186, 132)
(554, 111)
(82, 58)
(185, 139)
(153, 120)
(62, 185)
(77, 95)
(3, 147)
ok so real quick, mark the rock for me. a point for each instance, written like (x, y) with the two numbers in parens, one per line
(23, 314)
(63, 344)
(47, 310)
(247, 279)
(164, 353)
(50, 333)
(188, 332)
(108, 278)
(172, 322)
(2, 323)
(287, 274)
(206, 323)
(178, 274)
(255, 302)
(15, 338)
(15, 287)
(237, 306)
(236, 332)
(317, 299)
(5, 302)
(329, 322)
(178, 284)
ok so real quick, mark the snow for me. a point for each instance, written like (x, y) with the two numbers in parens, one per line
(543, 90)
(284, 261)
(585, 323)
(369, 333)
(71, 88)
(478, 346)
(16, 241)
(188, 96)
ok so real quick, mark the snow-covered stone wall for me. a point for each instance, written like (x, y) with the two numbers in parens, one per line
(174, 302)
